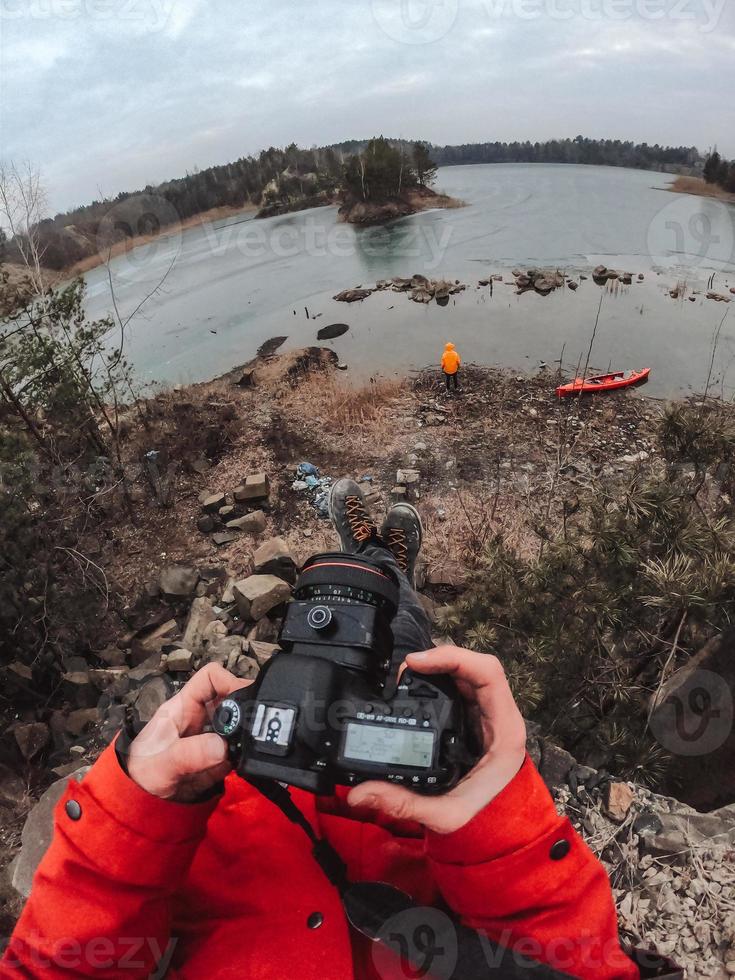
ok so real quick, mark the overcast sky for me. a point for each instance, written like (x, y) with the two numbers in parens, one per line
(106, 95)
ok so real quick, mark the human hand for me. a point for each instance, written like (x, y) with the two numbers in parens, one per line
(172, 758)
(482, 683)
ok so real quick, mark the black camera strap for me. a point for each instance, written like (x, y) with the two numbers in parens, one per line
(435, 944)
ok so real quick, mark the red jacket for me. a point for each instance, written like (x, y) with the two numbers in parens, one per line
(237, 886)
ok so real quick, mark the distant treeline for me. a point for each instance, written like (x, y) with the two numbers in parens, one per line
(284, 175)
(720, 172)
(611, 153)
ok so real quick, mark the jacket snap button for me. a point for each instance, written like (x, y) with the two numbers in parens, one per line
(73, 810)
(315, 920)
(560, 850)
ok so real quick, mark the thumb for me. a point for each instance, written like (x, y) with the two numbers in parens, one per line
(197, 754)
(394, 801)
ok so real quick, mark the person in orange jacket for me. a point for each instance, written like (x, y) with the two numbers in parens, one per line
(164, 860)
(451, 363)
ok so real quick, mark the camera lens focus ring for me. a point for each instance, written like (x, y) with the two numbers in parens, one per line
(319, 617)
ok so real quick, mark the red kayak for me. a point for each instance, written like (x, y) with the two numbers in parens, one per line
(602, 382)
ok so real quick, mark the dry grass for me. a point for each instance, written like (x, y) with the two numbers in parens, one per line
(700, 187)
(323, 400)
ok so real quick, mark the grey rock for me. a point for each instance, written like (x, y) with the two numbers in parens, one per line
(178, 661)
(32, 738)
(154, 692)
(178, 581)
(258, 594)
(255, 487)
(407, 477)
(221, 538)
(212, 503)
(201, 615)
(207, 523)
(555, 764)
(274, 557)
(254, 523)
(262, 652)
(37, 833)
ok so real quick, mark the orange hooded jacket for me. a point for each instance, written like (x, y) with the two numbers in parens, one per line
(451, 360)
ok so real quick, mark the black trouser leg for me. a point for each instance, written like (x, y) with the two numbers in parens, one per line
(447, 380)
(410, 627)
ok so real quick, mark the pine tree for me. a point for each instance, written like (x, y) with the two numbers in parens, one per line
(423, 164)
(712, 167)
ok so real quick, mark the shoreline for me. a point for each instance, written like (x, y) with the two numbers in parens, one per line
(698, 187)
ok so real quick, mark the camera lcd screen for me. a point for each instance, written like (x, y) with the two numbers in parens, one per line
(391, 746)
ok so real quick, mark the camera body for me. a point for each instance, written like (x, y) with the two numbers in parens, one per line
(330, 709)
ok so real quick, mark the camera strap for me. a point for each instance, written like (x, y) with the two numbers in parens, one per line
(435, 944)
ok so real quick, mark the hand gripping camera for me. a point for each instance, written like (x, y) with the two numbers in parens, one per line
(330, 709)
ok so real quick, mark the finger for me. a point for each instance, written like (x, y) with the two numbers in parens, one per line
(483, 674)
(196, 754)
(207, 686)
(401, 804)
(480, 671)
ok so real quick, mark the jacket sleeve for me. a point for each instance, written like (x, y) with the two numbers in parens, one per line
(100, 902)
(519, 873)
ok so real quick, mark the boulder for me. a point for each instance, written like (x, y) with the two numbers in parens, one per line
(207, 523)
(146, 669)
(264, 631)
(555, 764)
(262, 652)
(32, 738)
(78, 721)
(273, 557)
(251, 523)
(213, 501)
(12, 787)
(178, 581)
(226, 513)
(178, 661)
(200, 616)
(617, 801)
(257, 595)
(112, 656)
(407, 477)
(105, 677)
(221, 538)
(152, 642)
(151, 696)
(243, 667)
(37, 833)
(21, 671)
(255, 487)
(222, 648)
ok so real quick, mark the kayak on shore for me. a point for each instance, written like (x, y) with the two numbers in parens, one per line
(602, 382)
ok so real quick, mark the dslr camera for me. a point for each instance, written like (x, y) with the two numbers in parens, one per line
(330, 709)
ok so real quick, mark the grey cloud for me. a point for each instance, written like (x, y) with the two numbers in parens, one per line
(111, 94)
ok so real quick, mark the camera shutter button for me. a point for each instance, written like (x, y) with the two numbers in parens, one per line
(319, 617)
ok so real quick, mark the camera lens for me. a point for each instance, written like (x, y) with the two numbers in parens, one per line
(348, 578)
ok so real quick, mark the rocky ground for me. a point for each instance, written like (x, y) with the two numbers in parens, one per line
(203, 572)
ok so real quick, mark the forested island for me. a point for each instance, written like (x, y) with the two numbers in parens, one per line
(372, 180)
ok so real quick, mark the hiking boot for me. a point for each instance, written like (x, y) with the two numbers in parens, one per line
(402, 534)
(350, 516)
